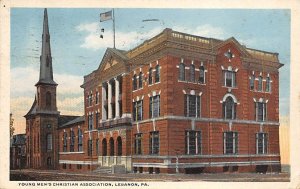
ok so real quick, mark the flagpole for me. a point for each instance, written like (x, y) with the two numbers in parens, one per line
(114, 30)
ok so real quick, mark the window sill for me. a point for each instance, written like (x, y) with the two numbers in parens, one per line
(137, 89)
(229, 87)
(261, 91)
(66, 153)
(154, 84)
(197, 83)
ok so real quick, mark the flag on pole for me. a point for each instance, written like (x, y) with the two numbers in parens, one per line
(105, 16)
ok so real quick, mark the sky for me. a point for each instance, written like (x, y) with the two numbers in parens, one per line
(77, 48)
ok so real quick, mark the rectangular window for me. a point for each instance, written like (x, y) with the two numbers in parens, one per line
(268, 84)
(137, 110)
(154, 106)
(193, 142)
(90, 100)
(154, 142)
(229, 78)
(252, 82)
(90, 121)
(72, 141)
(97, 119)
(230, 142)
(260, 83)
(192, 105)
(97, 97)
(90, 147)
(65, 142)
(138, 144)
(261, 143)
(261, 111)
(79, 141)
(49, 142)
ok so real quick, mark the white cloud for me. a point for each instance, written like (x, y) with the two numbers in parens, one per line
(123, 40)
(127, 40)
(89, 27)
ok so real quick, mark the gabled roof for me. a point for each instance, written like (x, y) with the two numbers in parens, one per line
(73, 121)
(63, 119)
(240, 47)
(32, 109)
(112, 53)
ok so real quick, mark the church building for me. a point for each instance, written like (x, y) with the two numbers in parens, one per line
(177, 103)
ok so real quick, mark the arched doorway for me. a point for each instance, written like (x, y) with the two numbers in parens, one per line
(112, 147)
(119, 143)
(49, 162)
(104, 147)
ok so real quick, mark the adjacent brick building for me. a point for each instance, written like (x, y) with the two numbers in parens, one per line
(18, 151)
(176, 103)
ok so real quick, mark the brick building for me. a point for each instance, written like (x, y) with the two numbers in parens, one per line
(176, 103)
(185, 103)
(18, 151)
(43, 118)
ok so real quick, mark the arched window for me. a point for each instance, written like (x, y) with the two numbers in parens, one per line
(192, 73)
(252, 82)
(140, 80)
(49, 142)
(72, 141)
(134, 82)
(112, 147)
(268, 84)
(48, 99)
(157, 73)
(104, 147)
(201, 75)
(79, 140)
(229, 108)
(181, 72)
(260, 83)
(65, 141)
(150, 76)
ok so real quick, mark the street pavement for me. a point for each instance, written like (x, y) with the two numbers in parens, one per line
(55, 175)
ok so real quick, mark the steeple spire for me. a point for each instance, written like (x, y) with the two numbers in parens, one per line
(46, 71)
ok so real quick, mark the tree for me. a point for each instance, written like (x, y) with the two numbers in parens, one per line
(11, 125)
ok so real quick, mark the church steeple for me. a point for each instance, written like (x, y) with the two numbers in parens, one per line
(46, 71)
